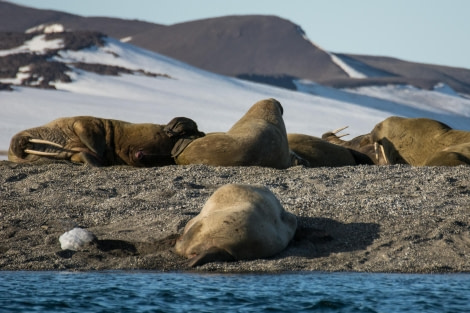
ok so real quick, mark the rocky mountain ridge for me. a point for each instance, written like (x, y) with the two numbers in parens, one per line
(266, 49)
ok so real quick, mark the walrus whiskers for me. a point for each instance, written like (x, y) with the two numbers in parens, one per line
(42, 153)
(46, 142)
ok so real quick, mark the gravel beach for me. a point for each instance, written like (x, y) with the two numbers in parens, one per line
(377, 218)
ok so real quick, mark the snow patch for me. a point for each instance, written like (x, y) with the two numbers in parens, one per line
(126, 39)
(37, 44)
(46, 29)
(431, 103)
(445, 89)
(353, 73)
(23, 73)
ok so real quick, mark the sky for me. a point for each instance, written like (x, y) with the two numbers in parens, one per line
(426, 31)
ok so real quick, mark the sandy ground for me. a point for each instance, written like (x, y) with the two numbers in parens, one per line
(378, 218)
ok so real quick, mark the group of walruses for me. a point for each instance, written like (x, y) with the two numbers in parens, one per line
(239, 221)
(259, 138)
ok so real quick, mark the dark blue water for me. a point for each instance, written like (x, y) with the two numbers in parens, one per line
(119, 291)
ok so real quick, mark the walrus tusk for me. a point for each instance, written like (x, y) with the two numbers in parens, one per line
(41, 152)
(340, 129)
(382, 150)
(46, 142)
(383, 153)
(342, 135)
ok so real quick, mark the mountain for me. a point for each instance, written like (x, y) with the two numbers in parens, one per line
(17, 18)
(266, 49)
(52, 74)
(243, 45)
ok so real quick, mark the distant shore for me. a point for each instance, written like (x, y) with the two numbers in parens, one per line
(380, 218)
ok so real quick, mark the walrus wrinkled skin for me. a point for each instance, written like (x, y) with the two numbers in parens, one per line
(238, 222)
(361, 147)
(421, 142)
(101, 142)
(319, 152)
(258, 139)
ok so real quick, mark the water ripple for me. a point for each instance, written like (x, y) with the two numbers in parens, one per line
(176, 292)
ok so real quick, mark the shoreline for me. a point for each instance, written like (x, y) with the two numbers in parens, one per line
(381, 219)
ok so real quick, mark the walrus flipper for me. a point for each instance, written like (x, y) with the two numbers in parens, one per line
(212, 254)
(87, 157)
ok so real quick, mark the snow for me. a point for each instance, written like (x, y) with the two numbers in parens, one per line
(352, 72)
(445, 107)
(126, 39)
(37, 44)
(214, 101)
(357, 69)
(445, 89)
(23, 73)
(47, 29)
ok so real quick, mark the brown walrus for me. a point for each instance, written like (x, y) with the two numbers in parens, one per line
(258, 139)
(102, 142)
(238, 222)
(421, 142)
(361, 147)
(319, 152)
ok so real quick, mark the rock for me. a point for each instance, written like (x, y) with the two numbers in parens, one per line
(76, 239)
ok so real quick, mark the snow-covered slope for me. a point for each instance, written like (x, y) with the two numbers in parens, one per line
(215, 102)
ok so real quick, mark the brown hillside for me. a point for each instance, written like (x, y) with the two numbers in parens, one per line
(240, 45)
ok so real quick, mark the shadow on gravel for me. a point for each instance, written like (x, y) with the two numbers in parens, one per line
(319, 237)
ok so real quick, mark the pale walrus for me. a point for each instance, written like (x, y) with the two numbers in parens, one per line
(319, 152)
(101, 142)
(421, 142)
(258, 139)
(238, 222)
(361, 147)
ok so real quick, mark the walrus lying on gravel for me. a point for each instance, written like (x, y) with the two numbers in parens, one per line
(319, 152)
(238, 222)
(258, 139)
(102, 142)
(421, 142)
(361, 147)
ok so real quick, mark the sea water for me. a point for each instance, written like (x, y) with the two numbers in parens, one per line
(119, 291)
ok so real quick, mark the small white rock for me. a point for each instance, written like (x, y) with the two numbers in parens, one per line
(75, 239)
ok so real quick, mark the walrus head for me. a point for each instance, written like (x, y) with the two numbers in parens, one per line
(182, 127)
(184, 130)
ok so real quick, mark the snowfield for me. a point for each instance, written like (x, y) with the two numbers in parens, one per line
(214, 101)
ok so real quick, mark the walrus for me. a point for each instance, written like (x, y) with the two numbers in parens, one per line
(319, 152)
(421, 142)
(238, 222)
(258, 139)
(102, 142)
(361, 147)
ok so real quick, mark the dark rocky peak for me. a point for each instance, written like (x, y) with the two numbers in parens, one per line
(27, 59)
